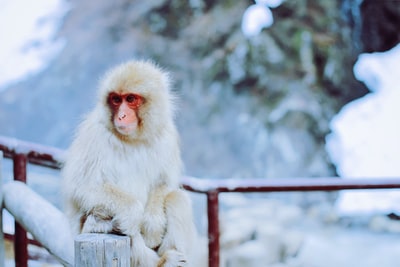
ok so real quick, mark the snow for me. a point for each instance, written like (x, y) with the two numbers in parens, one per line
(357, 249)
(23, 147)
(28, 34)
(270, 3)
(258, 16)
(255, 18)
(365, 139)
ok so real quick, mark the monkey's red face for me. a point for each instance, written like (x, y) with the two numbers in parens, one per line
(124, 110)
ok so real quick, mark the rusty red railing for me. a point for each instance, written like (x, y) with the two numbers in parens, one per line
(23, 153)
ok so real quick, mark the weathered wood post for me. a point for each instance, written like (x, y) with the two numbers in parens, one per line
(102, 250)
(1, 214)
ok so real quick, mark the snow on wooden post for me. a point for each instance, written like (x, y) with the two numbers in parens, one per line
(1, 212)
(102, 250)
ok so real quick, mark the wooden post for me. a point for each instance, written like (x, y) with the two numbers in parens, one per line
(213, 228)
(102, 250)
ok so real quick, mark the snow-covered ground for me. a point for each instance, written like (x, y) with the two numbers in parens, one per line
(261, 232)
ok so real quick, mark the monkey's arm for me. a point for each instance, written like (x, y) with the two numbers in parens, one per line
(154, 221)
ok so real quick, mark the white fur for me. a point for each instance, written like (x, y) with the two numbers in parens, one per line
(132, 179)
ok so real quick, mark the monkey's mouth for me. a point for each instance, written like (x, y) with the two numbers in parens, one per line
(125, 130)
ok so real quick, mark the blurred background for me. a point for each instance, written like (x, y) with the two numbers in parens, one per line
(268, 89)
(251, 105)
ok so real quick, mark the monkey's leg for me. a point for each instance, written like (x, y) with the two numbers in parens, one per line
(154, 221)
(180, 232)
(142, 256)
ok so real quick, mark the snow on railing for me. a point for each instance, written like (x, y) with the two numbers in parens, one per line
(36, 154)
(24, 152)
(45, 222)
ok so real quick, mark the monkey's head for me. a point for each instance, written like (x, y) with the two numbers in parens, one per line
(137, 101)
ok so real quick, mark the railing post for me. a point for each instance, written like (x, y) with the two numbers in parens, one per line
(1, 214)
(213, 228)
(102, 250)
(21, 239)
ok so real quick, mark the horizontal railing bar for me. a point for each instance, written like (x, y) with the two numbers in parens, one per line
(39, 256)
(287, 185)
(11, 238)
(36, 154)
(52, 157)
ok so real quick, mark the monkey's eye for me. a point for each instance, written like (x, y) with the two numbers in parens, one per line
(115, 99)
(130, 98)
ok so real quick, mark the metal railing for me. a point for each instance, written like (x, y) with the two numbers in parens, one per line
(23, 153)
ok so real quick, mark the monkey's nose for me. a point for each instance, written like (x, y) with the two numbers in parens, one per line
(122, 116)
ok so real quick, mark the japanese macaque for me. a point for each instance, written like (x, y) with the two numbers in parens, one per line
(123, 168)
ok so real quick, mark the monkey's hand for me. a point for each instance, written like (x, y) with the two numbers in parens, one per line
(127, 211)
(97, 220)
(153, 227)
(127, 219)
(172, 258)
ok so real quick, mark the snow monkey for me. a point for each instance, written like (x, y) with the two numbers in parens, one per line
(123, 168)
